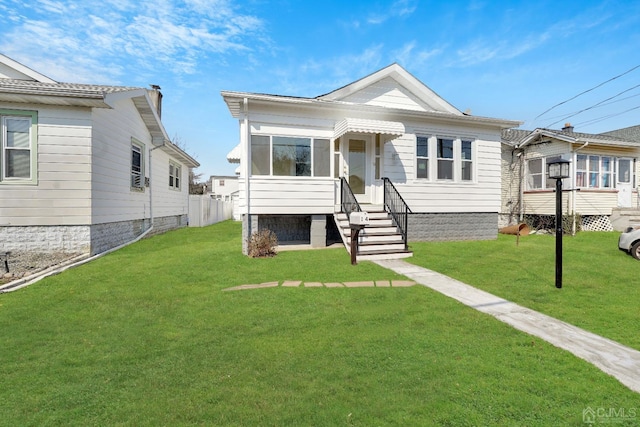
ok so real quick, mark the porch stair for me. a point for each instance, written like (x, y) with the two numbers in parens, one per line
(381, 239)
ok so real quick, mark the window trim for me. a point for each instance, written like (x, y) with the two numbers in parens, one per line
(175, 179)
(141, 147)
(33, 147)
(456, 161)
(312, 155)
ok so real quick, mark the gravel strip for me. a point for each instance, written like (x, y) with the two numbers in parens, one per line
(23, 264)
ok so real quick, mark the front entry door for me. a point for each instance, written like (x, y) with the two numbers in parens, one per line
(358, 160)
(624, 183)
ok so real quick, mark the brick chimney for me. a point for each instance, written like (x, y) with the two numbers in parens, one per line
(567, 128)
(156, 98)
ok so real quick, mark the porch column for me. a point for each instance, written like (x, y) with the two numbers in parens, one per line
(318, 231)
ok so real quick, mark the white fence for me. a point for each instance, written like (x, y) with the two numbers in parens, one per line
(203, 210)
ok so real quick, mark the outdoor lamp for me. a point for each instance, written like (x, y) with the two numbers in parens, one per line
(558, 169)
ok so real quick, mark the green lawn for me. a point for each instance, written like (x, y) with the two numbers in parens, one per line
(146, 336)
(601, 285)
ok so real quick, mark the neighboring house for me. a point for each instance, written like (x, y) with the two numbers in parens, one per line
(84, 168)
(297, 155)
(222, 187)
(602, 188)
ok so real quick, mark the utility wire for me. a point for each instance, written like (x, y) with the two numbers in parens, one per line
(599, 119)
(594, 105)
(586, 91)
(600, 105)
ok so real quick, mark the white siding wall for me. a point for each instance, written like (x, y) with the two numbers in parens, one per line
(168, 201)
(62, 195)
(299, 195)
(113, 198)
(386, 93)
(432, 196)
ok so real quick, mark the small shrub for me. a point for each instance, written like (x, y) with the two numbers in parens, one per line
(262, 244)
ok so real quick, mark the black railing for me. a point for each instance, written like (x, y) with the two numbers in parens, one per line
(398, 208)
(348, 202)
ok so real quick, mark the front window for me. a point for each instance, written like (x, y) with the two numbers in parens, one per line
(174, 176)
(536, 174)
(290, 156)
(422, 157)
(17, 147)
(466, 160)
(445, 159)
(595, 171)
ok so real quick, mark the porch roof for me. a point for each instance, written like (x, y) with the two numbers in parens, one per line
(384, 127)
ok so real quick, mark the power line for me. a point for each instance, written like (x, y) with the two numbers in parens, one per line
(599, 119)
(587, 91)
(600, 105)
(594, 105)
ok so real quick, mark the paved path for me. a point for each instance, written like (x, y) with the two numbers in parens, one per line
(611, 357)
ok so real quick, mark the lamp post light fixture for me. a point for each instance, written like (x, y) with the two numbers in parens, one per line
(558, 169)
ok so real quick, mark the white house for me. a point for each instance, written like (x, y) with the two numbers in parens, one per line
(223, 187)
(602, 187)
(84, 168)
(301, 159)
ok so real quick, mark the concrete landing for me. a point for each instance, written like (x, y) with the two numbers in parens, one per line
(611, 357)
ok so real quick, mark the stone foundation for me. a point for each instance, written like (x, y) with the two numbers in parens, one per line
(452, 226)
(76, 239)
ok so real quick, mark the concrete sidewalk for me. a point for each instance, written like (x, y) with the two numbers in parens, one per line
(611, 357)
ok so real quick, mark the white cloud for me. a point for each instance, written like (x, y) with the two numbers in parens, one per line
(171, 34)
(399, 8)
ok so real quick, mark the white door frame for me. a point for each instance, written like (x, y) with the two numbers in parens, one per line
(624, 184)
(366, 163)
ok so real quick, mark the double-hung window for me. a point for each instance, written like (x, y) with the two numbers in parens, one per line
(422, 157)
(137, 165)
(290, 156)
(595, 171)
(537, 176)
(18, 157)
(174, 176)
(466, 160)
(445, 159)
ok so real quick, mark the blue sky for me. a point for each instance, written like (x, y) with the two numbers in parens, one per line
(506, 59)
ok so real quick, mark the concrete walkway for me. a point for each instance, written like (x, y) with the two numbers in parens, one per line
(611, 357)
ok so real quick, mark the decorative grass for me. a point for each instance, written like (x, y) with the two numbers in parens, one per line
(600, 287)
(145, 336)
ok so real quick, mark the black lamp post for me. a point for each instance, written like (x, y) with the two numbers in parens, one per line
(558, 169)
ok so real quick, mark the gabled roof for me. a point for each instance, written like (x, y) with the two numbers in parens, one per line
(631, 133)
(15, 70)
(390, 92)
(428, 98)
(29, 86)
(520, 138)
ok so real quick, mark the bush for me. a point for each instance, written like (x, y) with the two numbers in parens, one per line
(262, 244)
(548, 222)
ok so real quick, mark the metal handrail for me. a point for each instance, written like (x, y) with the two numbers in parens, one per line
(348, 202)
(398, 208)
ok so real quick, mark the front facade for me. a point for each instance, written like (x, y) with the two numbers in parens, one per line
(601, 191)
(296, 152)
(84, 168)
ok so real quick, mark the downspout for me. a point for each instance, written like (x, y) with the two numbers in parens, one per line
(247, 165)
(151, 186)
(573, 188)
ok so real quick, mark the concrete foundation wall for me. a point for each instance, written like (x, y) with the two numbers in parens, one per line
(91, 239)
(452, 226)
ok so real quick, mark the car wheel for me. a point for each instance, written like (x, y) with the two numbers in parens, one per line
(635, 250)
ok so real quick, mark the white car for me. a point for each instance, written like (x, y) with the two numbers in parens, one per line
(629, 241)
